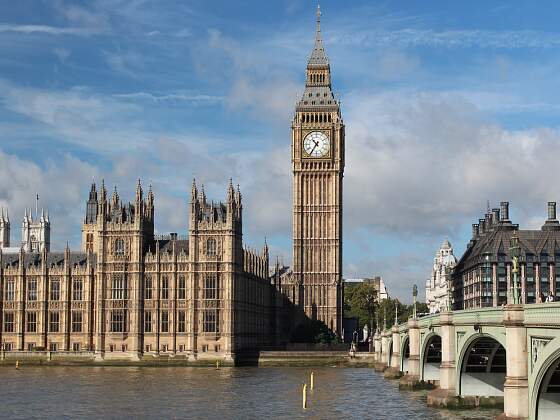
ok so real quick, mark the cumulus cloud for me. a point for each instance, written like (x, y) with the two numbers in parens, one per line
(21, 179)
(420, 162)
(423, 164)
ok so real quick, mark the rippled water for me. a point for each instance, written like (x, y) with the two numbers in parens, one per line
(237, 393)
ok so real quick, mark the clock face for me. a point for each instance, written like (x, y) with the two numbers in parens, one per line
(316, 144)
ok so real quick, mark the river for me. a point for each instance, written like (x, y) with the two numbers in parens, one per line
(197, 393)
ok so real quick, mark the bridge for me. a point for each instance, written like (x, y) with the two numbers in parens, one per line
(484, 356)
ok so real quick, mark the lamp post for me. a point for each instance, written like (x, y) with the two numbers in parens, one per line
(414, 294)
(514, 251)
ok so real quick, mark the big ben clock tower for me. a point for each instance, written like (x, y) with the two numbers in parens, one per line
(318, 167)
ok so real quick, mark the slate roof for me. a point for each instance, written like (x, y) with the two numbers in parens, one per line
(181, 245)
(53, 258)
(493, 244)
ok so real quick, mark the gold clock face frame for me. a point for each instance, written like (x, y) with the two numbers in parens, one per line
(316, 145)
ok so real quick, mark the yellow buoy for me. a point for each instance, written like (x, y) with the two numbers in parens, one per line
(304, 396)
(17, 364)
(312, 382)
(217, 365)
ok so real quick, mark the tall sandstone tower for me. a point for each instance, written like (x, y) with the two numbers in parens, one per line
(318, 168)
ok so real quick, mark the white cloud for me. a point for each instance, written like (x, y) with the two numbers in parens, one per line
(49, 30)
(411, 37)
(394, 64)
(171, 97)
(21, 179)
(62, 53)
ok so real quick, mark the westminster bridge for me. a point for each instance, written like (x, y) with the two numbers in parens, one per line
(480, 356)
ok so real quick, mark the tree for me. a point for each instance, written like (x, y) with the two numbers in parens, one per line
(360, 301)
(313, 331)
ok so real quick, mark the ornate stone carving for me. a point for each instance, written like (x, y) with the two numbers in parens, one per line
(537, 344)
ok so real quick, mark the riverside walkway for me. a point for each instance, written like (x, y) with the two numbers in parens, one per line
(482, 356)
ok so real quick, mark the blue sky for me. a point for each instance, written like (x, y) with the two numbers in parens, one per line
(447, 105)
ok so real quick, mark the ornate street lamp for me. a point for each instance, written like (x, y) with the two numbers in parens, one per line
(514, 252)
(414, 294)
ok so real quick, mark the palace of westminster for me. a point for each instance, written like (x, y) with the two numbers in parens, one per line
(130, 293)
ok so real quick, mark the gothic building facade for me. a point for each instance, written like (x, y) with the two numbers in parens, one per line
(437, 286)
(35, 232)
(484, 277)
(129, 293)
(318, 136)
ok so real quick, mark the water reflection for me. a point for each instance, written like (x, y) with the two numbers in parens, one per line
(124, 392)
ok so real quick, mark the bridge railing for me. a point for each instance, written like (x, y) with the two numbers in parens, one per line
(543, 314)
(494, 315)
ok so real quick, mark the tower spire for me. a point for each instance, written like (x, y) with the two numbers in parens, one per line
(318, 56)
(318, 19)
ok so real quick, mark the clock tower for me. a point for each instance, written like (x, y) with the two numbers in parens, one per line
(318, 168)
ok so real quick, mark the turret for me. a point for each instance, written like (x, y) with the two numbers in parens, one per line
(91, 207)
(36, 233)
(139, 192)
(150, 204)
(4, 229)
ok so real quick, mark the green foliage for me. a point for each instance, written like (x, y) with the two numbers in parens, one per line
(360, 302)
(313, 331)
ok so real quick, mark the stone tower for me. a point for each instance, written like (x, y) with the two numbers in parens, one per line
(119, 234)
(36, 233)
(318, 167)
(4, 229)
(216, 251)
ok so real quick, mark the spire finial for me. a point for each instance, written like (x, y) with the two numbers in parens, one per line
(318, 17)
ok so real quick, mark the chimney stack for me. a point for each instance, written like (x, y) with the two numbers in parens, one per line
(505, 211)
(551, 223)
(481, 226)
(475, 231)
(495, 216)
(552, 210)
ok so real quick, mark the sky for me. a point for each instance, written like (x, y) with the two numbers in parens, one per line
(447, 106)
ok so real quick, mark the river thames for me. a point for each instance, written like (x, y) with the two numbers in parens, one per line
(195, 393)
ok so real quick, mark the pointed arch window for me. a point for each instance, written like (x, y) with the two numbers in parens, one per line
(211, 247)
(119, 247)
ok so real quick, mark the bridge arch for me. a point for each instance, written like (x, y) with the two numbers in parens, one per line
(430, 357)
(482, 365)
(405, 354)
(544, 383)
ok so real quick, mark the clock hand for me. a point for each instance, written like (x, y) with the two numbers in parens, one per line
(314, 147)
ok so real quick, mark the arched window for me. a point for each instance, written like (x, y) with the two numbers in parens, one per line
(119, 247)
(211, 246)
(34, 244)
(89, 242)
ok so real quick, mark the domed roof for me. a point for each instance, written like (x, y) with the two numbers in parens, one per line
(446, 244)
(449, 260)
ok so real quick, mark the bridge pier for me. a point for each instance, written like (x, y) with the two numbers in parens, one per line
(446, 394)
(383, 363)
(394, 370)
(376, 347)
(516, 386)
(411, 379)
